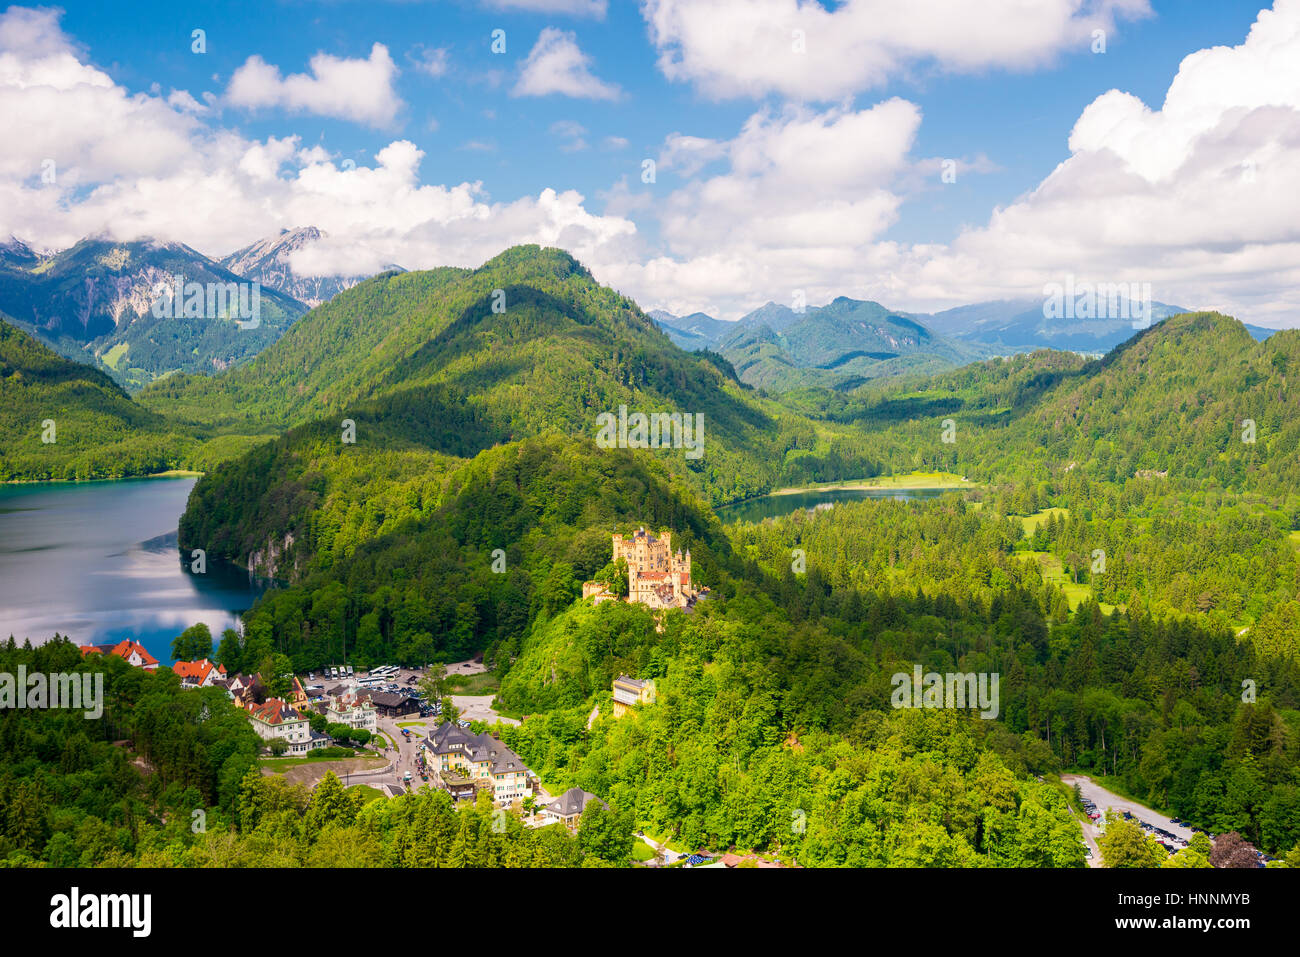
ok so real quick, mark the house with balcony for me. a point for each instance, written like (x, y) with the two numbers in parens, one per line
(481, 758)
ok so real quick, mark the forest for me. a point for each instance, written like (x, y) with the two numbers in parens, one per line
(1124, 557)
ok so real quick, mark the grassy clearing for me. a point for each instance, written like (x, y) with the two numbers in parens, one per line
(485, 682)
(1031, 522)
(1054, 573)
(911, 480)
(1294, 539)
(641, 851)
(280, 765)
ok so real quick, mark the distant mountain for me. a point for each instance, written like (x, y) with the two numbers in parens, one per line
(1019, 325)
(694, 332)
(18, 254)
(848, 342)
(838, 345)
(97, 300)
(267, 261)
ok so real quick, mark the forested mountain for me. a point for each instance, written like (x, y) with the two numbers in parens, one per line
(95, 300)
(533, 345)
(61, 419)
(838, 345)
(1194, 397)
(437, 491)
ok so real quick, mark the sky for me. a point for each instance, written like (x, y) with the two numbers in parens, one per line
(696, 156)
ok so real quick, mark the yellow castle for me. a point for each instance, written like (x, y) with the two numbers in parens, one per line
(655, 576)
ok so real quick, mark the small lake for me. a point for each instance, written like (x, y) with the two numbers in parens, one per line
(98, 562)
(775, 506)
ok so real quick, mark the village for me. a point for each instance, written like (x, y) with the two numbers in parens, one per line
(393, 730)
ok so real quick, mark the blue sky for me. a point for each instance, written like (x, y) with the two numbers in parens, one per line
(1006, 116)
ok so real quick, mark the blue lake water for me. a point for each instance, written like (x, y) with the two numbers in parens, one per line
(775, 506)
(98, 562)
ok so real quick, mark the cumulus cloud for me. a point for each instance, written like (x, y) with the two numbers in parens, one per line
(1194, 195)
(350, 89)
(736, 48)
(557, 65)
(132, 166)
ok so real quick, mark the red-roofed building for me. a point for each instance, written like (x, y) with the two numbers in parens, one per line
(198, 674)
(132, 652)
(275, 719)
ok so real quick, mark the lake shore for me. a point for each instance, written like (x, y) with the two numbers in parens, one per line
(914, 482)
(170, 473)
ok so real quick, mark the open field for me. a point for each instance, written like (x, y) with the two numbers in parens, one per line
(911, 480)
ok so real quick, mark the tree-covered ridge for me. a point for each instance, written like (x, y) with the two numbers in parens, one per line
(536, 346)
(1194, 399)
(98, 432)
(402, 566)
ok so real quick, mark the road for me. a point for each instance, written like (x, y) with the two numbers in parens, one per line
(669, 855)
(403, 756)
(1107, 800)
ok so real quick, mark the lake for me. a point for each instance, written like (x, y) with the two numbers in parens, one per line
(775, 506)
(98, 562)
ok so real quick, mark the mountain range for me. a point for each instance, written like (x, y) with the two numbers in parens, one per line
(95, 302)
(848, 342)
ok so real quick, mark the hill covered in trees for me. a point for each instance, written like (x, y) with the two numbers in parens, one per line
(61, 419)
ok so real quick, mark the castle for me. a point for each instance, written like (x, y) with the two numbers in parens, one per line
(655, 576)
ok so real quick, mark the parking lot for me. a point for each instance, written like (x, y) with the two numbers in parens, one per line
(1174, 836)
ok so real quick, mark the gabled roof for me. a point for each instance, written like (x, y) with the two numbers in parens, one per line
(196, 671)
(477, 748)
(123, 649)
(273, 711)
(572, 802)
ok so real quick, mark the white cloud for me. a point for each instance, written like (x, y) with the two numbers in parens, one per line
(557, 65)
(134, 166)
(350, 89)
(1197, 197)
(573, 134)
(801, 199)
(734, 48)
(434, 62)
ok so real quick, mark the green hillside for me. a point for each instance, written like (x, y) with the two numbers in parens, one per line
(98, 432)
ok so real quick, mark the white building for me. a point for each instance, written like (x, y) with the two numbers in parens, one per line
(275, 719)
